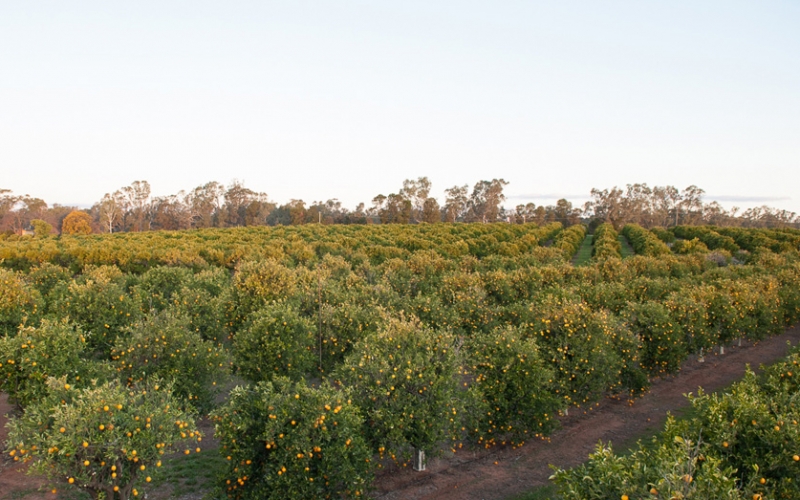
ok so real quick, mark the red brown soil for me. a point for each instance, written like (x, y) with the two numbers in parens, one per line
(502, 471)
(13, 477)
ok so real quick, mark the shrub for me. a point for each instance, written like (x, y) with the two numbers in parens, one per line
(164, 346)
(516, 387)
(53, 349)
(284, 439)
(662, 347)
(404, 379)
(277, 341)
(19, 302)
(103, 438)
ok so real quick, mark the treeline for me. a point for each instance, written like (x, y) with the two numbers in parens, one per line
(133, 209)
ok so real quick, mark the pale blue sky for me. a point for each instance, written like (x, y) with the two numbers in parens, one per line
(345, 99)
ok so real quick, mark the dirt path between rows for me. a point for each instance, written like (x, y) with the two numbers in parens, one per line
(14, 482)
(503, 471)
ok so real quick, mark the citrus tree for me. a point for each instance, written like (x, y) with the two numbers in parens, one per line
(102, 438)
(276, 341)
(19, 302)
(100, 304)
(672, 466)
(53, 349)
(515, 385)
(284, 439)
(405, 380)
(164, 346)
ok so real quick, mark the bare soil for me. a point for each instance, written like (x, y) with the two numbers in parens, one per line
(501, 472)
(14, 482)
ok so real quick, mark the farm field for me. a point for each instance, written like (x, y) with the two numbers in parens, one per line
(351, 349)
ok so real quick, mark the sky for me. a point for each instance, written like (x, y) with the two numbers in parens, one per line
(345, 99)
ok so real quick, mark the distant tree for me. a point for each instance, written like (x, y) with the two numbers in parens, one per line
(565, 213)
(297, 211)
(377, 204)
(237, 200)
(524, 213)
(397, 211)
(258, 210)
(137, 196)
(416, 191)
(170, 212)
(41, 228)
(7, 201)
(110, 211)
(77, 222)
(455, 203)
(691, 205)
(206, 202)
(18, 211)
(485, 200)
(431, 212)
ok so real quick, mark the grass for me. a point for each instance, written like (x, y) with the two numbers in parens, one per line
(190, 474)
(627, 250)
(584, 254)
(541, 493)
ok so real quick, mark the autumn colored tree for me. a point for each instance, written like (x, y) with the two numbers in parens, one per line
(77, 222)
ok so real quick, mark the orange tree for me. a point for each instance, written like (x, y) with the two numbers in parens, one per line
(692, 316)
(605, 243)
(164, 346)
(755, 427)
(284, 439)
(158, 285)
(643, 241)
(673, 466)
(589, 352)
(51, 281)
(205, 300)
(257, 283)
(103, 438)
(19, 302)
(570, 239)
(276, 340)
(53, 349)
(405, 380)
(100, 303)
(662, 346)
(515, 385)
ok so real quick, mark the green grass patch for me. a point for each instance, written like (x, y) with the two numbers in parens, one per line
(190, 474)
(584, 254)
(541, 493)
(627, 250)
